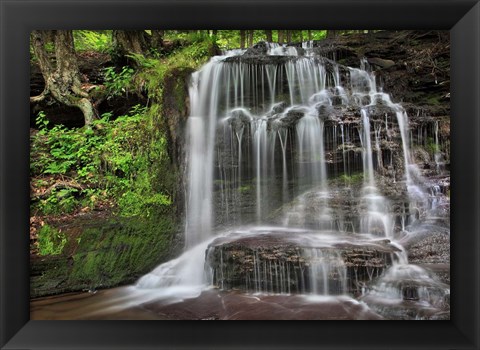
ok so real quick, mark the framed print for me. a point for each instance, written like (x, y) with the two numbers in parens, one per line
(192, 161)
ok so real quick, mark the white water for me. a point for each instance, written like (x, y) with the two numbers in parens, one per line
(258, 130)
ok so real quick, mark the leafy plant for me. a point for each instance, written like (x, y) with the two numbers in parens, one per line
(41, 121)
(59, 201)
(118, 83)
(143, 61)
(89, 40)
(50, 240)
(118, 162)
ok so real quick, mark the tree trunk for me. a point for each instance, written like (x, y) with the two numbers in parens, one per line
(332, 33)
(242, 39)
(268, 35)
(130, 41)
(289, 36)
(250, 38)
(62, 81)
(280, 36)
(157, 39)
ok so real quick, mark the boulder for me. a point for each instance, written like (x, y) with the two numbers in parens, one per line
(380, 62)
(293, 262)
(261, 48)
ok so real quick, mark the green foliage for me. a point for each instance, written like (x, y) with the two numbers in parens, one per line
(93, 40)
(142, 61)
(117, 161)
(186, 57)
(50, 241)
(189, 36)
(91, 197)
(120, 160)
(41, 120)
(351, 179)
(134, 203)
(230, 39)
(118, 83)
(60, 151)
(194, 55)
(59, 201)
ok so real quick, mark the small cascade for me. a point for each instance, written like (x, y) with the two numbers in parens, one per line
(406, 290)
(311, 156)
(183, 277)
(377, 219)
(260, 144)
(438, 156)
(328, 272)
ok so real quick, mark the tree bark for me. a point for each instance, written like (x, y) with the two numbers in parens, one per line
(280, 36)
(268, 35)
(62, 80)
(242, 39)
(130, 41)
(157, 39)
(289, 36)
(332, 33)
(250, 38)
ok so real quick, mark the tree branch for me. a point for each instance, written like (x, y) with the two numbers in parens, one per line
(57, 186)
(41, 97)
(79, 91)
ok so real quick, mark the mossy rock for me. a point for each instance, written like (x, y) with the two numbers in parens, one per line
(103, 253)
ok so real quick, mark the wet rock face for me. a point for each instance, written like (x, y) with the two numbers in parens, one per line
(260, 59)
(432, 249)
(274, 262)
(260, 48)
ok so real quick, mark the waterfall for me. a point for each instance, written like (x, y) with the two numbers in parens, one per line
(275, 150)
(201, 128)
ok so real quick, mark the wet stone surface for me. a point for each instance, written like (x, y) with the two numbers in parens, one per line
(209, 305)
(297, 263)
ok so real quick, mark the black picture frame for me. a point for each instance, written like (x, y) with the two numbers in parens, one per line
(19, 17)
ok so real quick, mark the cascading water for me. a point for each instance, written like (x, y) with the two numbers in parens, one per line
(282, 139)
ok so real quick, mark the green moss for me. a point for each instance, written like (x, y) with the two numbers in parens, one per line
(121, 251)
(433, 100)
(244, 188)
(50, 240)
(351, 179)
(188, 57)
(180, 91)
(49, 276)
(431, 147)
